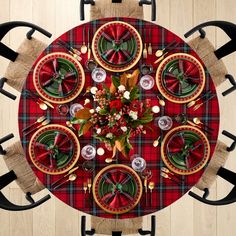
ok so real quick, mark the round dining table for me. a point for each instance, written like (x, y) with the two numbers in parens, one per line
(60, 99)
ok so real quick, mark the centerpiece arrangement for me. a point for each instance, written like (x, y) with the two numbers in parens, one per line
(118, 115)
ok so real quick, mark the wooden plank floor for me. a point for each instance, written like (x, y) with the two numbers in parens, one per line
(185, 217)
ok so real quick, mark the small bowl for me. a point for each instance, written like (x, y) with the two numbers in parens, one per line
(146, 69)
(91, 65)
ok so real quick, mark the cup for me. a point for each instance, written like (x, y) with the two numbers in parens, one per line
(99, 75)
(88, 152)
(147, 82)
(165, 122)
(138, 164)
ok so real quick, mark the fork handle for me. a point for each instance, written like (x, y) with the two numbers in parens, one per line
(29, 132)
(27, 127)
(59, 185)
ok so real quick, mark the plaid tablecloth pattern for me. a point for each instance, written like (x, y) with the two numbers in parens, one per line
(166, 192)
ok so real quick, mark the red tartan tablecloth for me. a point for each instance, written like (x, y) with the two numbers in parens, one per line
(166, 192)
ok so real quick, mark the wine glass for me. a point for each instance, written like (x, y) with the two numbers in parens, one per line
(88, 152)
(138, 164)
(147, 82)
(99, 75)
(165, 122)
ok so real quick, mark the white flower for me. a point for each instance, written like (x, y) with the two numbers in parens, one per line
(140, 126)
(93, 90)
(86, 101)
(99, 130)
(127, 95)
(117, 117)
(121, 88)
(144, 132)
(91, 111)
(133, 115)
(124, 128)
(109, 135)
(98, 109)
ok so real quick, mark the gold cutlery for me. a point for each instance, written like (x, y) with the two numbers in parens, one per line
(160, 58)
(192, 103)
(71, 178)
(85, 187)
(89, 185)
(150, 44)
(167, 171)
(70, 125)
(196, 107)
(110, 160)
(160, 52)
(161, 102)
(166, 176)
(145, 188)
(156, 142)
(145, 46)
(89, 50)
(151, 186)
(83, 48)
(44, 123)
(39, 120)
(197, 121)
(64, 176)
(47, 103)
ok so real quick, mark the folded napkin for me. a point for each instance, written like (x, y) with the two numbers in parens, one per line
(188, 71)
(117, 35)
(117, 198)
(50, 73)
(192, 153)
(62, 144)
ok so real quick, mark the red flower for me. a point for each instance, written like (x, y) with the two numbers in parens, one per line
(117, 104)
(136, 106)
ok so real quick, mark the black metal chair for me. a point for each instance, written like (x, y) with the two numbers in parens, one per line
(141, 3)
(18, 175)
(139, 231)
(214, 169)
(22, 60)
(211, 56)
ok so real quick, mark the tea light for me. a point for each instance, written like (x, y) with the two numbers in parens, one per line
(155, 109)
(100, 151)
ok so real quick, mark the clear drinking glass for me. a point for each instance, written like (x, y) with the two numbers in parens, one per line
(88, 152)
(146, 174)
(99, 75)
(147, 82)
(138, 164)
(165, 122)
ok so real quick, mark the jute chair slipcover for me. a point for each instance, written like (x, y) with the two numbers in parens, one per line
(15, 160)
(22, 60)
(17, 71)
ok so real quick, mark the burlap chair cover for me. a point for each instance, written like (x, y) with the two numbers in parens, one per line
(106, 226)
(205, 50)
(104, 8)
(16, 161)
(218, 160)
(18, 70)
